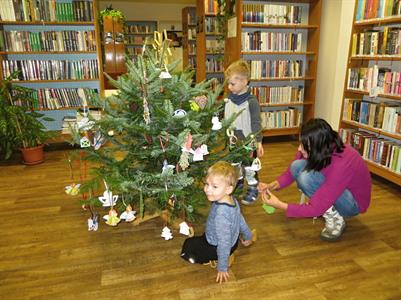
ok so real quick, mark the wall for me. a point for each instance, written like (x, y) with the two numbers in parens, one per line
(336, 22)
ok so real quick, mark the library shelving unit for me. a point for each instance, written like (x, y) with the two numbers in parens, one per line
(189, 37)
(209, 42)
(136, 33)
(54, 47)
(371, 106)
(280, 41)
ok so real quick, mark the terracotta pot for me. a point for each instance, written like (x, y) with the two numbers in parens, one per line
(33, 156)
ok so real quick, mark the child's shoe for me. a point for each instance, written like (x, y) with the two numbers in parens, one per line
(251, 195)
(334, 227)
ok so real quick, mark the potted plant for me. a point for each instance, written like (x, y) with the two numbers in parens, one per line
(20, 126)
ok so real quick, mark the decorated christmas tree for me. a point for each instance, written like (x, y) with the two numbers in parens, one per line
(157, 136)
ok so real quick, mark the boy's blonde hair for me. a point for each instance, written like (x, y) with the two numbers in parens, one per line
(240, 67)
(224, 170)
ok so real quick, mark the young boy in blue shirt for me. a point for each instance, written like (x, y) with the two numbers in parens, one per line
(248, 121)
(224, 224)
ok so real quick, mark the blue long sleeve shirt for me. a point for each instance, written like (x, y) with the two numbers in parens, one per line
(223, 227)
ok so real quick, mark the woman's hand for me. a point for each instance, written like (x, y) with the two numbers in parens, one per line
(272, 200)
(272, 186)
(222, 276)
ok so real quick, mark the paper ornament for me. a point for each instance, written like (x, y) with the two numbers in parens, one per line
(84, 142)
(72, 189)
(128, 215)
(201, 101)
(194, 106)
(186, 230)
(165, 75)
(179, 113)
(204, 149)
(112, 218)
(256, 165)
(231, 137)
(110, 133)
(167, 167)
(197, 154)
(98, 140)
(166, 233)
(268, 209)
(93, 223)
(85, 124)
(108, 199)
(216, 123)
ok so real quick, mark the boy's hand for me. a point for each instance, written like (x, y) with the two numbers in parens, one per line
(222, 276)
(246, 243)
(259, 150)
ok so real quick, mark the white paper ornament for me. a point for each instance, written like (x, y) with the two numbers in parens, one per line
(128, 216)
(204, 149)
(165, 75)
(179, 113)
(98, 140)
(256, 165)
(84, 142)
(108, 199)
(84, 124)
(166, 233)
(197, 154)
(93, 223)
(110, 132)
(184, 228)
(216, 123)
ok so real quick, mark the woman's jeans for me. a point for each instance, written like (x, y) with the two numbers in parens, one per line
(310, 181)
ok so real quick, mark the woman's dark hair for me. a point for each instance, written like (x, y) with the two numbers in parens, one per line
(319, 141)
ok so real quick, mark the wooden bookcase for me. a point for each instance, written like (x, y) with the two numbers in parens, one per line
(293, 29)
(189, 38)
(371, 106)
(55, 48)
(136, 34)
(209, 42)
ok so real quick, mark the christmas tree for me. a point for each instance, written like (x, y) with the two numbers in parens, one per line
(156, 139)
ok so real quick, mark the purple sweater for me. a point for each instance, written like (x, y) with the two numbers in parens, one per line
(347, 170)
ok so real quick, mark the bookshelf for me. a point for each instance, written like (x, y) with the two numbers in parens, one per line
(189, 37)
(371, 104)
(209, 42)
(280, 40)
(136, 33)
(54, 46)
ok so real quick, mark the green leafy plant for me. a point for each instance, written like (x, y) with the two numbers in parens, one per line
(20, 126)
(110, 11)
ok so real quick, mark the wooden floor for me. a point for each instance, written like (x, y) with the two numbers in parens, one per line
(46, 251)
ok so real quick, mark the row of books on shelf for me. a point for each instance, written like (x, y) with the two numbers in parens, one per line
(46, 10)
(211, 7)
(373, 9)
(381, 151)
(382, 80)
(271, 13)
(214, 65)
(70, 121)
(271, 41)
(51, 69)
(214, 46)
(68, 40)
(191, 17)
(213, 26)
(51, 98)
(288, 118)
(136, 28)
(261, 69)
(278, 94)
(377, 42)
(384, 116)
(192, 62)
(191, 48)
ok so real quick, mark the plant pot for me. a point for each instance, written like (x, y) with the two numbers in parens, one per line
(33, 156)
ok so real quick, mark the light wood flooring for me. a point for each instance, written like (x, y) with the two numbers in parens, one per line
(46, 251)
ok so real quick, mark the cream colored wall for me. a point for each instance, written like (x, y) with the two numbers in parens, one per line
(336, 22)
